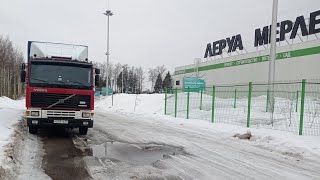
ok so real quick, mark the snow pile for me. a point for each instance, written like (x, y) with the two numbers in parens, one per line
(11, 112)
(141, 103)
(6, 102)
(286, 114)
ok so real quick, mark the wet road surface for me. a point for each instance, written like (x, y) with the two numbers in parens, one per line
(69, 156)
(62, 160)
(135, 154)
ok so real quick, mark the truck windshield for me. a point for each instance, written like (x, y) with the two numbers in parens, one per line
(61, 75)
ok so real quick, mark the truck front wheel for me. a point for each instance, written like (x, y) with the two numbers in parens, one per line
(83, 130)
(33, 130)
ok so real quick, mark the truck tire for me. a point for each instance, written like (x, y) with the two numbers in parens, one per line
(83, 130)
(33, 130)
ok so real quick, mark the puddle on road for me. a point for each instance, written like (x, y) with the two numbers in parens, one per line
(62, 159)
(138, 154)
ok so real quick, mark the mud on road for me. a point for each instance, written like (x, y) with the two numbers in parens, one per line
(62, 160)
(73, 157)
(61, 154)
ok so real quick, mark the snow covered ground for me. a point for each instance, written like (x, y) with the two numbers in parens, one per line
(152, 105)
(20, 153)
(11, 112)
(214, 153)
(286, 113)
(132, 103)
(210, 150)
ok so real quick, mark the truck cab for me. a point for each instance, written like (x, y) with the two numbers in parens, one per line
(60, 85)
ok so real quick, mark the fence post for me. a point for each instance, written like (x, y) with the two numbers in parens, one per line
(112, 98)
(235, 99)
(188, 103)
(175, 102)
(302, 106)
(201, 99)
(249, 104)
(268, 96)
(165, 101)
(213, 99)
(297, 101)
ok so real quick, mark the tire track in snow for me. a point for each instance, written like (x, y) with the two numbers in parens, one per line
(235, 157)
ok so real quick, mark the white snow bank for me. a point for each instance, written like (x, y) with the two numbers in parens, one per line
(141, 104)
(11, 112)
(6, 102)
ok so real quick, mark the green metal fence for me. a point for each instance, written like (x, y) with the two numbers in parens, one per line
(294, 108)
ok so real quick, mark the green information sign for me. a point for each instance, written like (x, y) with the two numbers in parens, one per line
(195, 84)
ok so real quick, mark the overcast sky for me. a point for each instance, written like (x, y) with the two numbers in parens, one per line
(143, 32)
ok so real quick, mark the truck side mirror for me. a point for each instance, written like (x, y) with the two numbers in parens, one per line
(96, 80)
(23, 76)
(97, 71)
(23, 66)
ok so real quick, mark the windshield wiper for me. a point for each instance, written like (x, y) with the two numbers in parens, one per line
(68, 83)
(41, 80)
(80, 83)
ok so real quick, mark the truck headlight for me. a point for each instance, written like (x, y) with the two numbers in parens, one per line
(34, 121)
(34, 113)
(85, 114)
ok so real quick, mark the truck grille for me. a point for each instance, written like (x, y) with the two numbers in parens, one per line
(61, 114)
(46, 99)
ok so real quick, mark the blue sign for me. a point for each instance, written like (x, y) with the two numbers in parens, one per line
(104, 91)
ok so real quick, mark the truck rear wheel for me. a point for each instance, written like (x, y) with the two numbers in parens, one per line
(83, 130)
(33, 130)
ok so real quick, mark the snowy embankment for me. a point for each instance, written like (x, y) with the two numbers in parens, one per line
(20, 153)
(132, 103)
(151, 106)
(11, 112)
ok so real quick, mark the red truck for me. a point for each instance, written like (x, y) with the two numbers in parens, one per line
(60, 84)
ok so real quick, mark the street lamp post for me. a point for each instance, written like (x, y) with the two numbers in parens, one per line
(122, 82)
(273, 49)
(108, 13)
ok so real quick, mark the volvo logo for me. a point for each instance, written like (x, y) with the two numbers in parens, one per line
(40, 90)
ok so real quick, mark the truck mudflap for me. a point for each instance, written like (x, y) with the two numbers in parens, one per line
(67, 123)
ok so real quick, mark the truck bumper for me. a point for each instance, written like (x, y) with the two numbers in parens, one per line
(48, 122)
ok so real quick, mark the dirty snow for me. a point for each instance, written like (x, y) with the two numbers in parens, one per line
(20, 152)
(11, 112)
(152, 105)
(214, 152)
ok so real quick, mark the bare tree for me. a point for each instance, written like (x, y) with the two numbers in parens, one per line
(116, 73)
(153, 73)
(141, 77)
(287, 109)
(110, 74)
(161, 70)
(10, 59)
(315, 111)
